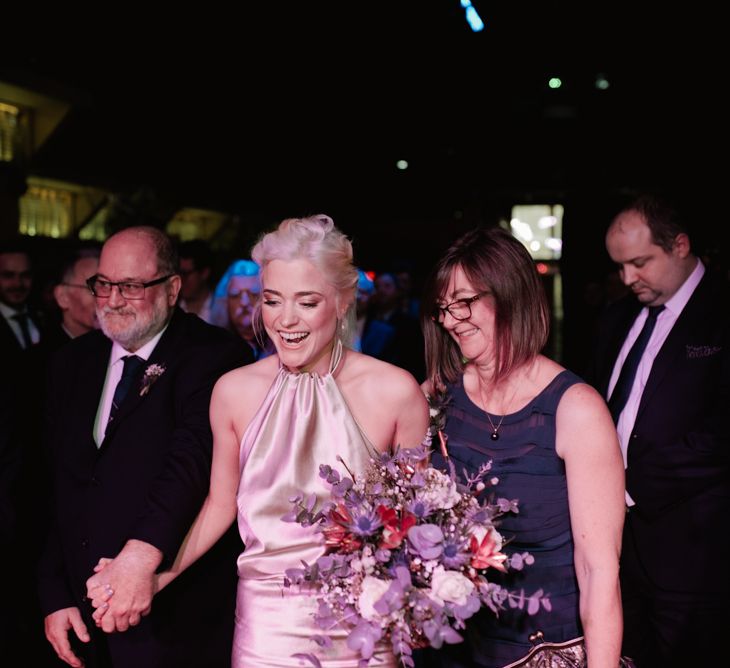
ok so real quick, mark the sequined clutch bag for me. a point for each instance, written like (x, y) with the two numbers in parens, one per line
(568, 654)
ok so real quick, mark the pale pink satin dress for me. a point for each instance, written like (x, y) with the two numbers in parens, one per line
(303, 422)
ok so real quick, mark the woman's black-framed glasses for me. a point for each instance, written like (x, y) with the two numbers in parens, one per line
(460, 309)
(128, 289)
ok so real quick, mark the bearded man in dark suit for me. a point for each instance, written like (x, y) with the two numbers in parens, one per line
(131, 472)
(672, 421)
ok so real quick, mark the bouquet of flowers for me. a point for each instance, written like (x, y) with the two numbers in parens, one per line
(408, 552)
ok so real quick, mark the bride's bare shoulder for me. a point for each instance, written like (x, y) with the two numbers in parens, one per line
(248, 380)
(381, 377)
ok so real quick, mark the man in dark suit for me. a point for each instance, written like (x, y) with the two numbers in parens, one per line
(74, 299)
(20, 328)
(131, 472)
(22, 340)
(673, 428)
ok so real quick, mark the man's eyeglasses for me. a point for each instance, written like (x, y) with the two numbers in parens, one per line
(128, 289)
(459, 309)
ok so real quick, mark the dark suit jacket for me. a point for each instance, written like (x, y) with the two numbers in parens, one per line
(146, 481)
(8, 341)
(678, 469)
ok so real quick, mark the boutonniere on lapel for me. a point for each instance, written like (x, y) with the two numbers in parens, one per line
(151, 374)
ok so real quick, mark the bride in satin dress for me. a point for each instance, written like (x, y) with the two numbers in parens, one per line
(275, 421)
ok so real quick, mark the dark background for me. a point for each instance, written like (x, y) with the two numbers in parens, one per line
(278, 109)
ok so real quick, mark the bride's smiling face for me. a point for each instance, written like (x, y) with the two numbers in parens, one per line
(299, 310)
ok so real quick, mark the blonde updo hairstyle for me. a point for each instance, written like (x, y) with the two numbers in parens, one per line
(317, 240)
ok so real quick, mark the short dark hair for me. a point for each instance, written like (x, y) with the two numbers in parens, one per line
(662, 217)
(66, 270)
(16, 245)
(494, 261)
(199, 251)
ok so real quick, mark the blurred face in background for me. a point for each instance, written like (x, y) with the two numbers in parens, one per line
(194, 281)
(243, 295)
(75, 299)
(387, 292)
(362, 300)
(16, 279)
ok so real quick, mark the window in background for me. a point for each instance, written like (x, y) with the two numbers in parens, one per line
(540, 228)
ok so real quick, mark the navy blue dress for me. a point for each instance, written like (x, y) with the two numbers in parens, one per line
(529, 470)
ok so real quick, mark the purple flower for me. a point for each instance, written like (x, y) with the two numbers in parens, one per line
(392, 599)
(383, 556)
(400, 540)
(365, 522)
(439, 633)
(470, 608)
(340, 489)
(363, 639)
(426, 540)
(418, 480)
(455, 553)
(420, 508)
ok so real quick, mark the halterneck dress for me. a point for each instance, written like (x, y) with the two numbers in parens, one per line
(530, 470)
(303, 422)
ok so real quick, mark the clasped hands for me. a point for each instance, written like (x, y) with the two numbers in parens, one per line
(121, 589)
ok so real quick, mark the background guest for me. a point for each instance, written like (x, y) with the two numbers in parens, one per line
(74, 298)
(662, 360)
(390, 333)
(236, 298)
(20, 326)
(196, 267)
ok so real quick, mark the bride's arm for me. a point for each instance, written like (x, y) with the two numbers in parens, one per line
(219, 509)
(410, 413)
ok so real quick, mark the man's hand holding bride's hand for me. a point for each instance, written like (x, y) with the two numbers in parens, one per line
(122, 588)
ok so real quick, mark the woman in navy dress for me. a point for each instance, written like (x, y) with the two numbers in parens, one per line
(552, 444)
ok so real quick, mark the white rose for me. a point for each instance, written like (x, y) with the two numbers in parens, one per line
(372, 590)
(439, 490)
(450, 586)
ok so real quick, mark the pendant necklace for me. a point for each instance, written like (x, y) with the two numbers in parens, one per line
(495, 430)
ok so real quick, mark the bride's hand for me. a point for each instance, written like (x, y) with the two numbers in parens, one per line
(99, 596)
(103, 562)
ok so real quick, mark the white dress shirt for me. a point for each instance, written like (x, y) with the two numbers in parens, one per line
(113, 376)
(8, 313)
(665, 321)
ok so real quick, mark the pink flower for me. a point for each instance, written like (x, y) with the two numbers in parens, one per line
(394, 531)
(486, 553)
(151, 374)
(336, 536)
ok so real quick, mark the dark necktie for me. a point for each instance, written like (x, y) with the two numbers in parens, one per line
(22, 320)
(132, 364)
(625, 382)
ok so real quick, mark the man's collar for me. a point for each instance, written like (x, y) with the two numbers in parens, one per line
(9, 311)
(679, 299)
(145, 352)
